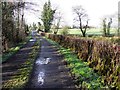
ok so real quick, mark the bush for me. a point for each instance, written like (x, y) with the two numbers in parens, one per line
(65, 31)
(102, 56)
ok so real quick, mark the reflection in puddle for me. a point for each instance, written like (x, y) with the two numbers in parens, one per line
(43, 61)
(40, 39)
(41, 78)
(42, 47)
(32, 40)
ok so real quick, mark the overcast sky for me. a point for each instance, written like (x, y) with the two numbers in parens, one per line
(96, 9)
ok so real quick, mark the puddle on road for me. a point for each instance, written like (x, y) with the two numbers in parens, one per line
(41, 76)
(42, 46)
(40, 39)
(43, 61)
(33, 40)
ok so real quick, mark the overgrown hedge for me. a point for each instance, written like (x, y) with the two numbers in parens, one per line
(103, 57)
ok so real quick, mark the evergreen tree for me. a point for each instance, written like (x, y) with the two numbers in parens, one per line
(47, 16)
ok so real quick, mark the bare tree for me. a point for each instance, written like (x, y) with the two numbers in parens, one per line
(13, 22)
(107, 26)
(57, 20)
(82, 18)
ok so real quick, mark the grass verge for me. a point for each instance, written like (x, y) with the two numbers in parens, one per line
(21, 78)
(84, 76)
(13, 50)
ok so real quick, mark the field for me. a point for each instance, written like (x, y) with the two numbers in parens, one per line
(92, 31)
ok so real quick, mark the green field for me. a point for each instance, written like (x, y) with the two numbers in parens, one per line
(92, 31)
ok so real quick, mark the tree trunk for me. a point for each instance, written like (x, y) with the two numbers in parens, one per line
(84, 34)
(118, 31)
(18, 23)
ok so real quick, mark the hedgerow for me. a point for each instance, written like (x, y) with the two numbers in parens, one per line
(102, 56)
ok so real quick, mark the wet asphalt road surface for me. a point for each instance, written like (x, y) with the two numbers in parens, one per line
(49, 70)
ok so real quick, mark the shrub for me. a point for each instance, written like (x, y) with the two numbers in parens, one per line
(102, 56)
(65, 30)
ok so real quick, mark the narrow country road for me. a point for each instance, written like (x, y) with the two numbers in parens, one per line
(49, 70)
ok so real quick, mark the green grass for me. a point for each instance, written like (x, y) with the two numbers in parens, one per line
(84, 76)
(93, 31)
(10, 52)
(21, 78)
(5, 56)
(99, 31)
